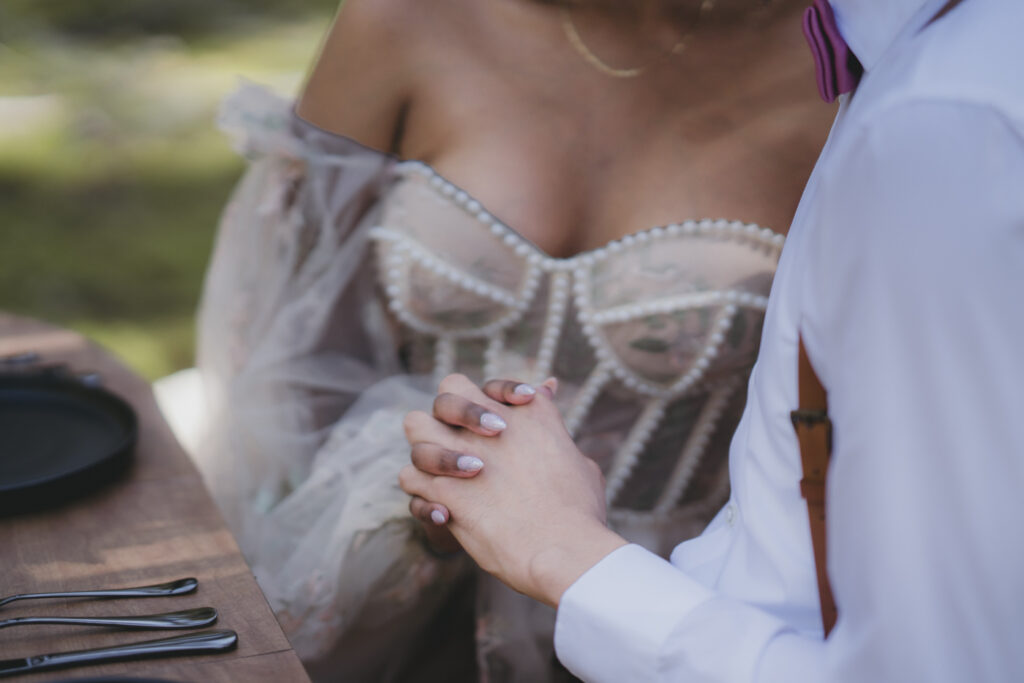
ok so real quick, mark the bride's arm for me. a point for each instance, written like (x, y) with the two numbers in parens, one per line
(289, 334)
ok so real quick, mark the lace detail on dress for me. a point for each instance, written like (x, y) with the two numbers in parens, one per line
(669, 314)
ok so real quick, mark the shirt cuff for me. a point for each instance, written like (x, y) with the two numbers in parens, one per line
(614, 621)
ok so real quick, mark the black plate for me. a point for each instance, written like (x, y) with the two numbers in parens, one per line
(59, 439)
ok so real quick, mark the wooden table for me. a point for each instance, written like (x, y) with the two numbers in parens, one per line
(156, 524)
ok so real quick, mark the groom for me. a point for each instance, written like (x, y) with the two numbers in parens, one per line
(903, 276)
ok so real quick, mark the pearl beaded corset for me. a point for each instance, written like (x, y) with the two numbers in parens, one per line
(652, 336)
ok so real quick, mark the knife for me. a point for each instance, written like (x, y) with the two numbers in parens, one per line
(190, 618)
(193, 644)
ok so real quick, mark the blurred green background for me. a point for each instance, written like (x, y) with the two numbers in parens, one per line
(112, 172)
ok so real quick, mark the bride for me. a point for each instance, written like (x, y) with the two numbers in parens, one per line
(499, 188)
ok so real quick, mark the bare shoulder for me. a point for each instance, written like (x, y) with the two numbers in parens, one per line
(364, 76)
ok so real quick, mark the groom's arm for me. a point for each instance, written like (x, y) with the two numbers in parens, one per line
(917, 330)
(915, 321)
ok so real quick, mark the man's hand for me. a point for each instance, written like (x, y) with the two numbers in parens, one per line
(534, 513)
(457, 411)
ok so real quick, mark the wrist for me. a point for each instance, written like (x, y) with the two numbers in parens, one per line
(560, 563)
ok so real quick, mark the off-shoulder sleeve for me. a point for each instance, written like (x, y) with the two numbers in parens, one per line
(289, 332)
(306, 396)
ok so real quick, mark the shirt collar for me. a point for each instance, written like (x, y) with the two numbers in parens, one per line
(869, 27)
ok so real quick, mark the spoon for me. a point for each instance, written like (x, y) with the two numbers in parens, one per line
(179, 587)
(190, 618)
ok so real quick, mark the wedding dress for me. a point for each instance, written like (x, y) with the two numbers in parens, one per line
(345, 282)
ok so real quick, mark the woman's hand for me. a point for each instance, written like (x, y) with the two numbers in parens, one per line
(534, 514)
(454, 410)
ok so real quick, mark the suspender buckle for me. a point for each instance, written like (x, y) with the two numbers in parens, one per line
(808, 418)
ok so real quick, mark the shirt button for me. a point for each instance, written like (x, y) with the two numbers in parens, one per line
(730, 514)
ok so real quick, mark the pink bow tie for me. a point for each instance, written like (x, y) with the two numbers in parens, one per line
(837, 68)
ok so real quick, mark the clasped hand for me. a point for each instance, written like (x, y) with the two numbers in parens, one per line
(496, 472)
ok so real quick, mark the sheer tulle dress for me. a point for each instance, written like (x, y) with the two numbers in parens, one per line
(345, 282)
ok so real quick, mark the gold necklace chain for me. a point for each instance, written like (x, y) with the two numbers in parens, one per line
(574, 38)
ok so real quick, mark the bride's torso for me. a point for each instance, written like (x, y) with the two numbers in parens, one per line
(554, 241)
(494, 97)
(542, 229)
(652, 336)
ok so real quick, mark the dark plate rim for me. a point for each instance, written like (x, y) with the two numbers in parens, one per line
(68, 388)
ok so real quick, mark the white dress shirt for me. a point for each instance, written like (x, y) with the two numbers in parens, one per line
(904, 273)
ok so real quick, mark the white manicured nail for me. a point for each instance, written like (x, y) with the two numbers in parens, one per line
(469, 463)
(492, 422)
(524, 390)
(437, 516)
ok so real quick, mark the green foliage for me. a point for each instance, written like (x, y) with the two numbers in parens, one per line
(112, 177)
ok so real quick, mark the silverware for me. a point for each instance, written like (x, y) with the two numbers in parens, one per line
(179, 587)
(191, 644)
(190, 618)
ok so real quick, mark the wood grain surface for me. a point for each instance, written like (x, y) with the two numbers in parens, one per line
(157, 523)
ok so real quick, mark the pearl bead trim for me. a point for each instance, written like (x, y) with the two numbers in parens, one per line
(400, 252)
(492, 356)
(606, 355)
(586, 396)
(755, 234)
(696, 445)
(558, 297)
(582, 262)
(395, 249)
(620, 314)
(444, 358)
(629, 453)
(420, 256)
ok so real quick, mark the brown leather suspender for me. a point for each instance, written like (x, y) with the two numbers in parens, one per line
(814, 433)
